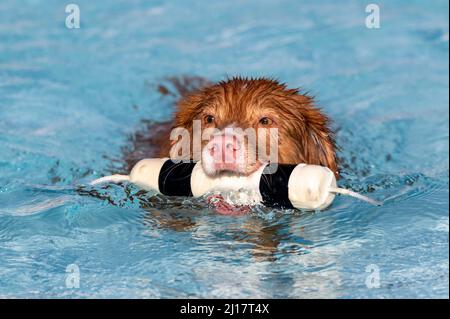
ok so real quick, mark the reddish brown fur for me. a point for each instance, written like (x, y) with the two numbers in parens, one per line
(304, 132)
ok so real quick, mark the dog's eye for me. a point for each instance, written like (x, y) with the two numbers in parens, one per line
(209, 119)
(265, 121)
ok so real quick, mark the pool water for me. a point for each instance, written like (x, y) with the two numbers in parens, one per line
(72, 100)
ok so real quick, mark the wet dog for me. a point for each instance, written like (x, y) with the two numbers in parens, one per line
(225, 112)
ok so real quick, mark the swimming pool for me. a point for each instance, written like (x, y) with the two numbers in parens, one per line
(71, 101)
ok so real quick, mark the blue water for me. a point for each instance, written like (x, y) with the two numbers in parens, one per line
(71, 101)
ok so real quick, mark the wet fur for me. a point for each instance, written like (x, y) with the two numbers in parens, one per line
(304, 131)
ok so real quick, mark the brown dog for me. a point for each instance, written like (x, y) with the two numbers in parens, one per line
(303, 131)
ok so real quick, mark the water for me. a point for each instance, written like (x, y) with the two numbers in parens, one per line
(72, 100)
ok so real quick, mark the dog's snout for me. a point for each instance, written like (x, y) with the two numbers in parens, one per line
(223, 148)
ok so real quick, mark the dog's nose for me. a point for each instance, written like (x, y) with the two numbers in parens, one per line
(223, 148)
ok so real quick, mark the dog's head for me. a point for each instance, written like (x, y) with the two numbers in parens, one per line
(241, 123)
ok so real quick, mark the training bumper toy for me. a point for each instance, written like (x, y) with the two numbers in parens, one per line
(302, 186)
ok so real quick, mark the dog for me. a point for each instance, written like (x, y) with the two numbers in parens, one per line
(304, 136)
(303, 132)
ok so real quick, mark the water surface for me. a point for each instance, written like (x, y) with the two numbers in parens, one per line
(72, 100)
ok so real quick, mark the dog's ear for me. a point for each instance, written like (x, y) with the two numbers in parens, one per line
(318, 141)
(188, 107)
(320, 146)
